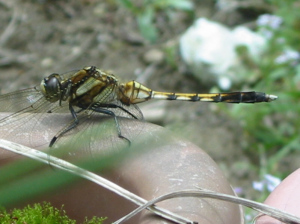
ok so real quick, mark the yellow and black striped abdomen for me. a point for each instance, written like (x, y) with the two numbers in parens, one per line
(232, 97)
(134, 92)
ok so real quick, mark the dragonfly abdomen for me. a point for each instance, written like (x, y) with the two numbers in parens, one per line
(232, 97)
(246, 97)
(134, 92)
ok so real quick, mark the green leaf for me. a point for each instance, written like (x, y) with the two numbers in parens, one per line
(127, 3)
(179, 4)
(146, 24)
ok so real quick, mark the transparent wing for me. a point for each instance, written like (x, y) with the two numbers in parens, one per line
(31, 124)
(24, 105)
(22, 113)
(16, 101)
(97, 133)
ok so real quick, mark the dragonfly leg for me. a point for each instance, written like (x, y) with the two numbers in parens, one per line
(111, 113)
(120, 107)
(70, 126)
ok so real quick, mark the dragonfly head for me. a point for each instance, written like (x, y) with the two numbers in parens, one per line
(51, 87)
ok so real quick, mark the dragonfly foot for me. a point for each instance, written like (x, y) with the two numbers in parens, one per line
(126, 139)
(53, 141)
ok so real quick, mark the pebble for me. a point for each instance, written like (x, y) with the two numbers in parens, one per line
(154, 56)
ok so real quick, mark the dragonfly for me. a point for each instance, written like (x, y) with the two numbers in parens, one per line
(89, 92)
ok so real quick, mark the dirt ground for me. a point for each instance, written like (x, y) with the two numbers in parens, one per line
(38, 38)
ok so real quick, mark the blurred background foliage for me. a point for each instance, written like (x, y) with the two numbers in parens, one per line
(274, 130)
(145, 12)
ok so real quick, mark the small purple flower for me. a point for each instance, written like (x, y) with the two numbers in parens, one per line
(272, 182)
(259, 186)
(238, 190)
(269, 182)
(288, 55)
(269, 20)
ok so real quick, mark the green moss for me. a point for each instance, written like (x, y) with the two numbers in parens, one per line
(40, 214)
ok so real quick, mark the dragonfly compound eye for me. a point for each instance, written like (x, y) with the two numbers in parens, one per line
(51, 87)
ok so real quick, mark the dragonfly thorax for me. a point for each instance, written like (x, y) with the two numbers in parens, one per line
(85, 88)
